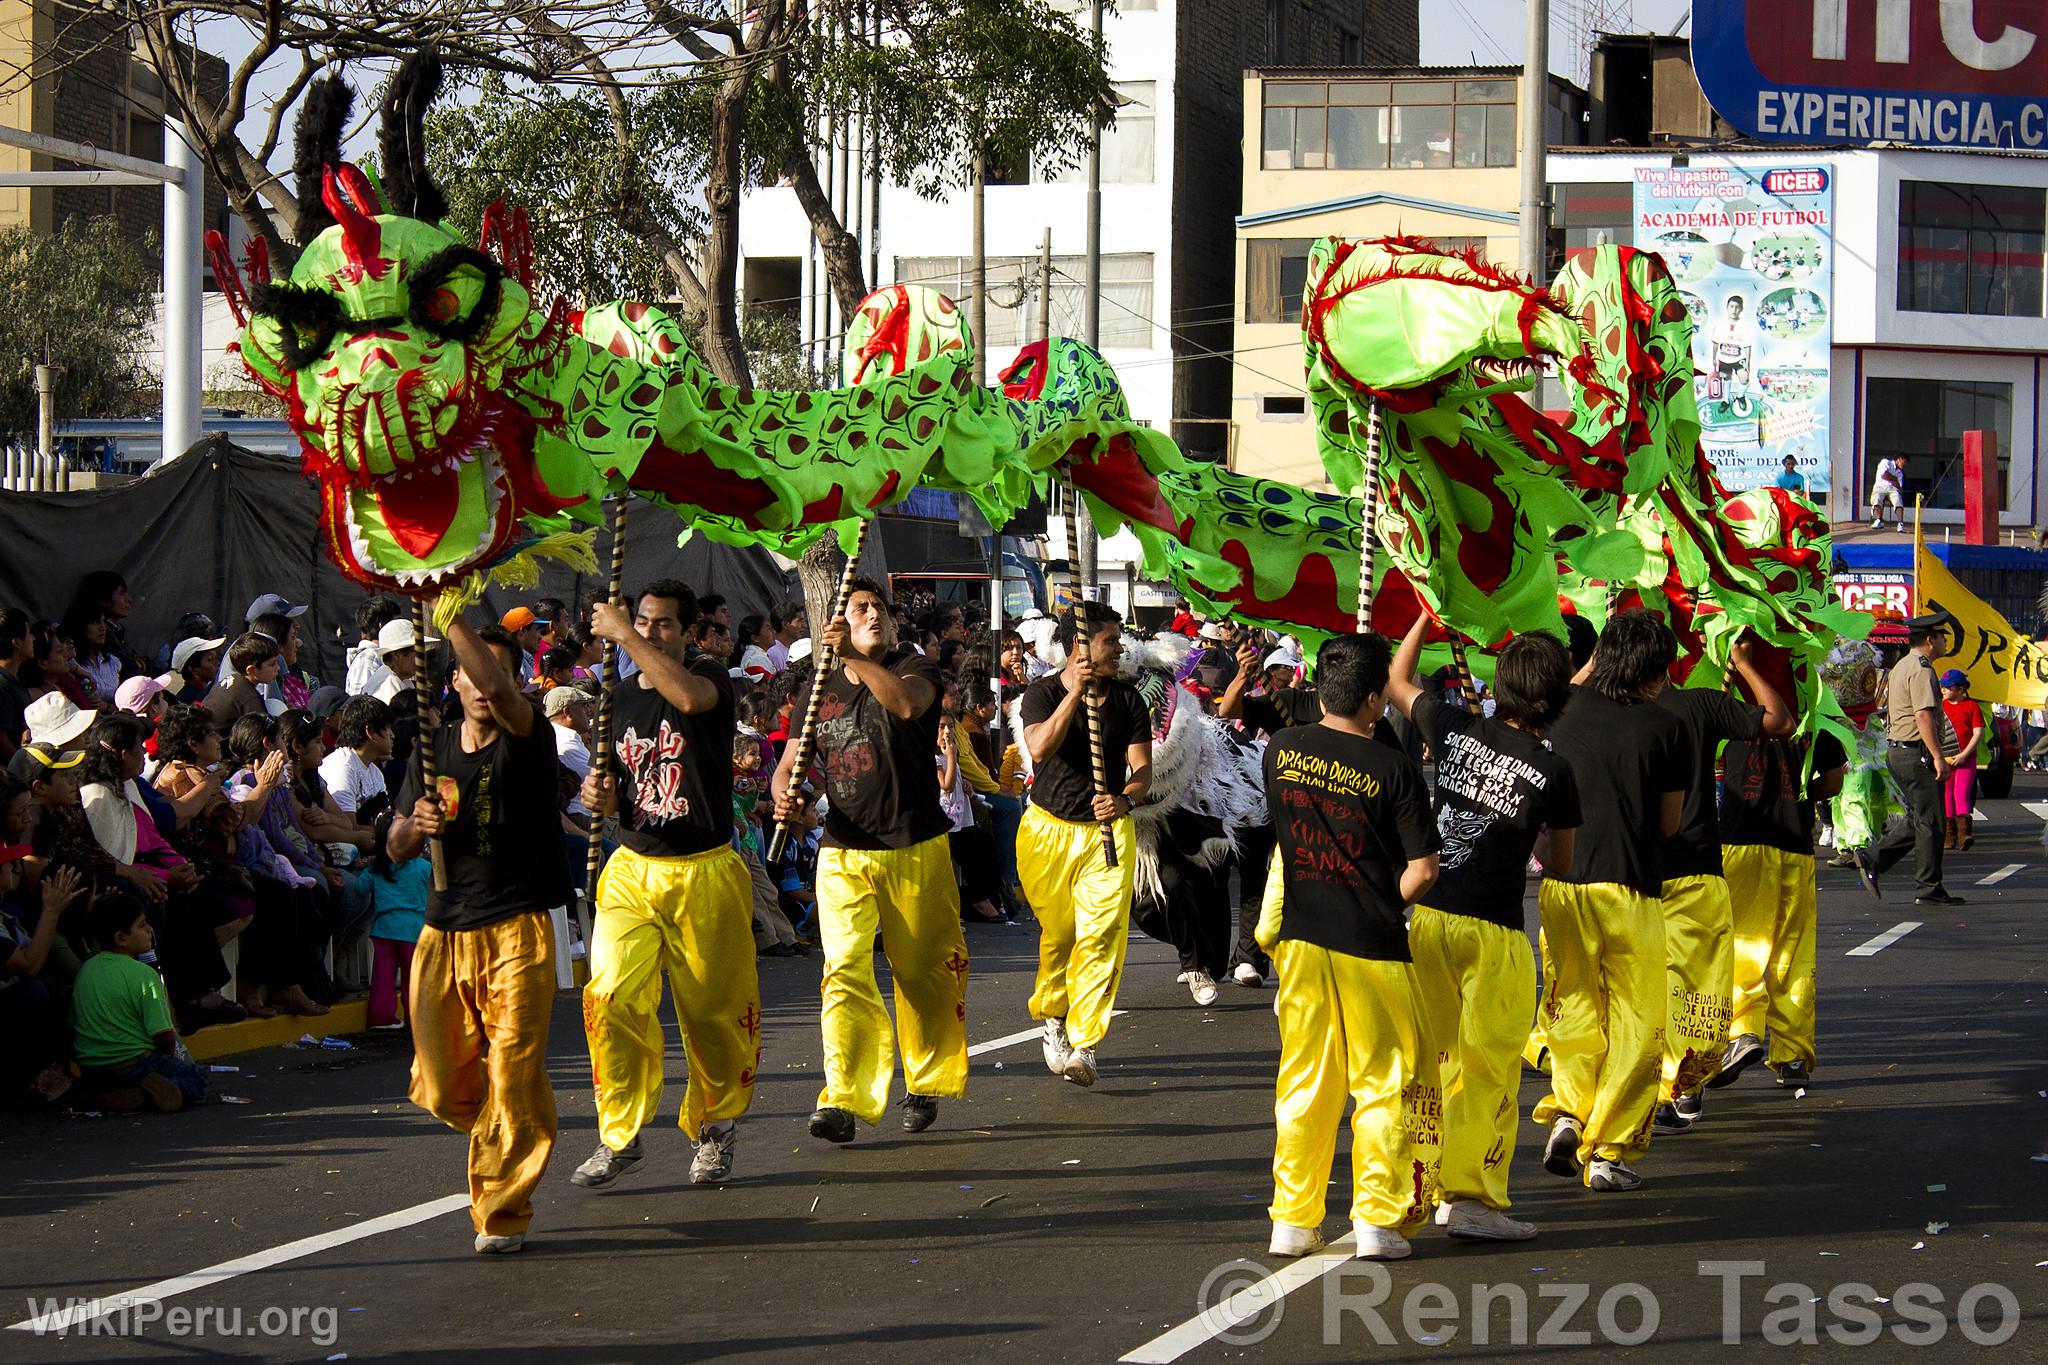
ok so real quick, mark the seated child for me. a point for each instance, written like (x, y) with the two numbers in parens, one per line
(121, 1026)
(394, 895)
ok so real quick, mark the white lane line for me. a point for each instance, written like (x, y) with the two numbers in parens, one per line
(1021, 1036)
(2002, 873)
(1883, 940)
(86, 1310)
(73, 1314)
(2039, 808)
(1241, 1307)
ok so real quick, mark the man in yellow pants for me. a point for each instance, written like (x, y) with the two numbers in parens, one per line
(1767, 828)
(1497, 789)
(1603, 930)
(482, 988)
(885, 866)
(1699, 962)
(1083, 904)
(1355, 847)
(674, 897)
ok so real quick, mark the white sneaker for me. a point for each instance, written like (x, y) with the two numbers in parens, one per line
(713, 1162)
(1055, 1046)
(1202, 987)
(1080, 1068)
(1472, 1221)
(1610, 1177)
(1181, 980)
(1561, 1149)
(1248, 975)
(1443, 1212)
(488, 1245)
(1293, 1241)
(1380, 1244)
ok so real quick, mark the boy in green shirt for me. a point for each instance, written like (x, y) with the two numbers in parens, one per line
(121, 1018)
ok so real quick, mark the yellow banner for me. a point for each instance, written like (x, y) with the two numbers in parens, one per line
(2002, 663)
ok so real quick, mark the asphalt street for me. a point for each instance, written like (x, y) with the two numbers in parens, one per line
(1903, 1197)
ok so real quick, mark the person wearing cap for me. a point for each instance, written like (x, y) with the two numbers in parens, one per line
(525, 628)
(674, 895)
(1918, 763)
(398, 648)
(365, 658)
(195, 660)
(193, 625)
(142, 697)
(272, 604)
(253, 664)
(482, 989)
(293, 686)
(570, 710)
(1958, 793)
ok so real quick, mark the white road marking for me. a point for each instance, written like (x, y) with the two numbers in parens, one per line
(1241, 1307)
(2002, 873)
(87, 1310)
(73, 1315)
(1884, 940)
(2039, 808)
(1982, 816)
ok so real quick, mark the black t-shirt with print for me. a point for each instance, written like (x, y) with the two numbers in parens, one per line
(1765, 801)
(1624, 757)
(674, 767)
(1349, 815)
(1063, 782)
(881, 775)
(1496, 788)
(1709, 717)
(503, 846)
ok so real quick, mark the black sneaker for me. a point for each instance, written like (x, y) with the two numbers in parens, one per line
(1690, 1107)
(1741, 1053)
(1939, 898)
(1668, 1122)
(606, 1165)
(1793, 1073)
(1867, 871)
(919, 1113)
(831, 1124)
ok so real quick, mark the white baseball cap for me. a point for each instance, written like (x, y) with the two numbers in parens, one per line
(55, 721)
(187, 648)
(800, 650)
(396, 635)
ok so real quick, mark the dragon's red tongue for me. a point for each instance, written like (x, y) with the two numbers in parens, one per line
(419, 509)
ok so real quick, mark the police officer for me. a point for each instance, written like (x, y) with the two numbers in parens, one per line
(1913, 753)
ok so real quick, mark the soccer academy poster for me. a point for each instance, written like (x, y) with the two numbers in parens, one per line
(1752, 250)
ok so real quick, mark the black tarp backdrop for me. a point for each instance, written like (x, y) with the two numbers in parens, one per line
(219, 525)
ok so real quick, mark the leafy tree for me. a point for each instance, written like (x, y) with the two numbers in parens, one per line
(78, 299)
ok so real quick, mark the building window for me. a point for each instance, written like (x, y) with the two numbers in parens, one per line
(1970, 249)
(1349, 51)
(1127, 144)
(1922, 421)
(1361, 125)
(1282, 405)
(1275, 277)
(1013, 297)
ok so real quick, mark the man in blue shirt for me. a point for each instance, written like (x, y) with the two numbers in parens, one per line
(1791, 479)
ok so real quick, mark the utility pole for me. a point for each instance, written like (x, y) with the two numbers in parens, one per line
(978, 314)
(1084, 554)
(1535, 144)
(184, 347)
(46, 428)
(1045, 285)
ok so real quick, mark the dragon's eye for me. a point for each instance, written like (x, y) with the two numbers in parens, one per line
(455, 294)
(307, 319)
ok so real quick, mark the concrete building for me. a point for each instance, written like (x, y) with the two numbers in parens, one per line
(1419, 151)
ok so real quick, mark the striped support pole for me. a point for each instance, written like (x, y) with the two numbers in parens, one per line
(423, 703)
(822, 665)
(601, 753)
(1467, 688)
(1367, 539)
(1096, 758)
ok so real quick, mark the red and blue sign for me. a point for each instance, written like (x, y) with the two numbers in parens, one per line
(1933, 73)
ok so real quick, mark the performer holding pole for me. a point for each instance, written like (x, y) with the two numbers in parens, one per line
(1082, 896)
(608, 675)
(1096, 762)
(806, 746)
(886, 867)
(483, 976)
(675, 895)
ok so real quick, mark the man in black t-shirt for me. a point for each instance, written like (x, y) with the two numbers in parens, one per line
(483, 977)
(1603, 932)
(674, 895)
(1699, 963)
(1767, 834)
(1083, 904)
(886, 866)
(1497, 788)
(1356, 847)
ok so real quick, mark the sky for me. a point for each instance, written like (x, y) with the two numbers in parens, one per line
(1459, 32)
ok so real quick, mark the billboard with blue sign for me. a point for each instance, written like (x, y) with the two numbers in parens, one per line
(1751, 247)
(1933, 73)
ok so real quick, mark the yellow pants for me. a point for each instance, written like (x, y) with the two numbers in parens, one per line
(480, 1001)
(910, 897)
(1775, 990)
(1350, 1027)
(1699, 978)
(1603, 1014)
(693, 916)
(1476, 985)
(1084, 918)
(1537, 1044)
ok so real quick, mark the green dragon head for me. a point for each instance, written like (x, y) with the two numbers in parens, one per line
(390, 344)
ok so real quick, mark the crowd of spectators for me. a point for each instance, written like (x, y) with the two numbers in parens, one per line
(209, 818)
